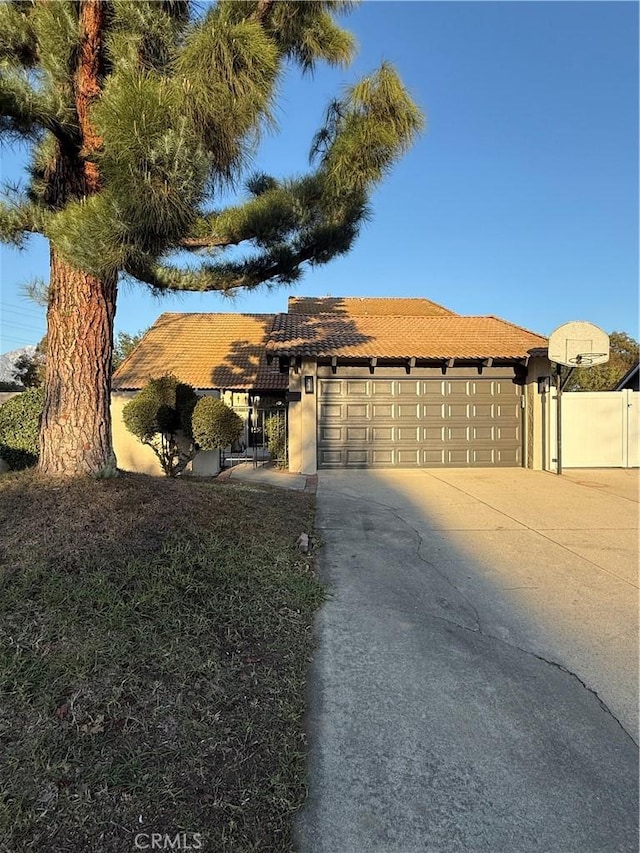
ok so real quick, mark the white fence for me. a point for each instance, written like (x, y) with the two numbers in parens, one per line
(600, 429)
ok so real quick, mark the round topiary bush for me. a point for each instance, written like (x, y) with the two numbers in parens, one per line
(214, 424)
(160, 417)
(20, 429)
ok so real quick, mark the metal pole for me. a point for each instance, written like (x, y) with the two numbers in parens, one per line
(559, 418)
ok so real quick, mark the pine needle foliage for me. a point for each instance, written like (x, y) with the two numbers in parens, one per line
(184, 96)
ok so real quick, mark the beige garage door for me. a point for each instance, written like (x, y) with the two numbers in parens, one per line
(418, 423)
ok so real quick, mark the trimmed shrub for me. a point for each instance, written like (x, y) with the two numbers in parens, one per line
(160, 417)
(214, 424)
(20, 429)
(275, 428)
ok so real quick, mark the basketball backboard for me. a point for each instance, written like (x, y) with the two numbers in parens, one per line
(579, 344)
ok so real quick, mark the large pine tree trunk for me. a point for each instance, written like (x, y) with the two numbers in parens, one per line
(75, 435)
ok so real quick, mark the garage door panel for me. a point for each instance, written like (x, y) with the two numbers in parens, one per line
(481, 410)
(408, 410)
(482, 433)
(418, 423)
(482, 389)
(510, 433)
(380, 411)
(408, 457)
(380, 388)
(456, 410)
(433, 434)
(331, 433)
(357, 434)
(483, 456)
(383, 458)
(329, 388)
(357, 410)
(457, 457)
(433, 457)
(408, 433)
(457, 389)
(456, 433)
(506, 411)
(330, 458)
(507, 456)
(382, 433)
(357, 389)
(330, 412)
(434, 411)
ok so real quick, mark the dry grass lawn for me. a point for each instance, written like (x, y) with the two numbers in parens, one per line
(154, 639)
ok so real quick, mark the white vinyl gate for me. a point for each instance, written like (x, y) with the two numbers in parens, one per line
(600, 429)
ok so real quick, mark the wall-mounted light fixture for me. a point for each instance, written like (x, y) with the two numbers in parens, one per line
(543, 384)
(308, 384)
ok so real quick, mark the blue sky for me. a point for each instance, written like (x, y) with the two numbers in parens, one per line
(521, 198)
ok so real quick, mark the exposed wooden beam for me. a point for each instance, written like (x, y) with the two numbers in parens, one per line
(451, 362)
(334, 364)
(372, 364)
(488, 362)
(411, 363)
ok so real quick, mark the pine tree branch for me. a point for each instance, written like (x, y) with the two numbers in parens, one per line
(17, 39)
(276, 213)
(25, 112)
(269, 268)
(207, 242)
(263, 10)
(18, 220)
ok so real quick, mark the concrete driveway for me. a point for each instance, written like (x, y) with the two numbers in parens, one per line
(475, 684)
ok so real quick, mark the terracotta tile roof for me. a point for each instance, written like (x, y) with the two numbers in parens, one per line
(373, 306)
(205, 350)
(449, 336)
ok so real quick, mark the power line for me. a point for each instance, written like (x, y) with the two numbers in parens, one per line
(20, 318)
(19, 341)
(14, 310)
(25, 326)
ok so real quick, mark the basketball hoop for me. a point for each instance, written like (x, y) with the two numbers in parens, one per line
(586, 359)
(575, 344)
(578, 344)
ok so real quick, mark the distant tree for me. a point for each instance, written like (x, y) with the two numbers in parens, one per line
(123, 344)
(29, 370)
(139, 115)
(623, 354)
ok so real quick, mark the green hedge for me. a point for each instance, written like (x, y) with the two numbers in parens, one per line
(275, 427)
(214, 424)
(20, 428)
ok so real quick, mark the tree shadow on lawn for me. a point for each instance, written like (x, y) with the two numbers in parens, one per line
(154, 639)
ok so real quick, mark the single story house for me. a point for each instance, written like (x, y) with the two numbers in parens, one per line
(219, 354)
(380, 382)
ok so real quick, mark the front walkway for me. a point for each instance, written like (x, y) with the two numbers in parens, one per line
(268, 475)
